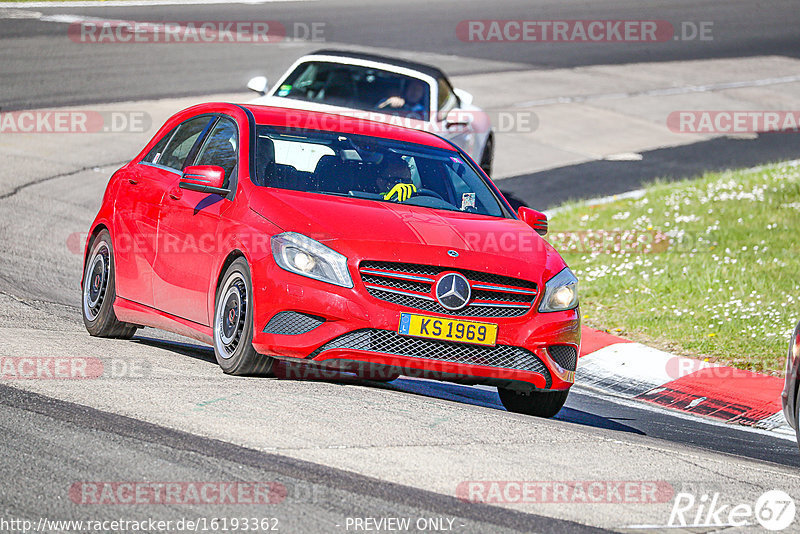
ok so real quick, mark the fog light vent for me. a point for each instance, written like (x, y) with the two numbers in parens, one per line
(291, 323)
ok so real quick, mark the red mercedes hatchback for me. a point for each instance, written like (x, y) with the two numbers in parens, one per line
(279, 234)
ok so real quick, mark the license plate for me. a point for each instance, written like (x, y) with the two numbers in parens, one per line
(448, 329)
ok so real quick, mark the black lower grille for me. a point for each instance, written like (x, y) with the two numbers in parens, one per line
(565, 355)
(291, 323)
(388, 342)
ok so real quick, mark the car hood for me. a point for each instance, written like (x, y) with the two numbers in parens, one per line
(382, 231)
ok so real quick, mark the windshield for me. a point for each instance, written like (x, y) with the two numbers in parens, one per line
(358, 87)
(371, 168)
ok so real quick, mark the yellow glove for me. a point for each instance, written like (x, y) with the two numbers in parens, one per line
(403, 192)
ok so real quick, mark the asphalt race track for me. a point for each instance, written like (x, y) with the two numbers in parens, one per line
(41, 67)
(340, 449)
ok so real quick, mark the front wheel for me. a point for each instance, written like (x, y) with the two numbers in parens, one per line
(537, 403)
(233, 324)
(99, 292)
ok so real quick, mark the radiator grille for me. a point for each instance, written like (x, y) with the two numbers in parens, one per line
(412, 286)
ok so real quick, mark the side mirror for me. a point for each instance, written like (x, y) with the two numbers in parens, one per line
(465, 97)
(205, 179)
(258, 84)
(535, 219)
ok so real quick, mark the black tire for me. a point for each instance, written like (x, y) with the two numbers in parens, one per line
(537, 403)
(233, 324)
(487, 158)
(797, 417)
(99, 292)
(379, 375)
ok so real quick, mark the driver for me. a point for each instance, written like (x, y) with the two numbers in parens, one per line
(394, 180)
(412, 101)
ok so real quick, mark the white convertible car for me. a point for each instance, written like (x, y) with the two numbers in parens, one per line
(384, 89)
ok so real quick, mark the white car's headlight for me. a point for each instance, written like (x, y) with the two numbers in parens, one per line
(560, 292)
(302, 255)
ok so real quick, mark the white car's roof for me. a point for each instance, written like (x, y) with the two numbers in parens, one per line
(385, 62)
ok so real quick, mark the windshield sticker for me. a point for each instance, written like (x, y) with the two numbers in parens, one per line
(284, 90)
(455, 159)
(467, 201)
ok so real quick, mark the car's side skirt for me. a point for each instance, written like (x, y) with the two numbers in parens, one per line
(133, 312)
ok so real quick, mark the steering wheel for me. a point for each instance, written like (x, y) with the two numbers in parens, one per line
(428, 193)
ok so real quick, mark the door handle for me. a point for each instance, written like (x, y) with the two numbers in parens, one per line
(176, 193)
(460, 127)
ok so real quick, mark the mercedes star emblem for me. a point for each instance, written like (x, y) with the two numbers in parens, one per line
(453, 291)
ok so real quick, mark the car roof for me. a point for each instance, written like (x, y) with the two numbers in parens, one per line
(430, 70)
(332, 122)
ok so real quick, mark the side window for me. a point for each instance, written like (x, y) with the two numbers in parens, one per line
(220, 147)
(154, 156)
(182, 142)
(447, 98)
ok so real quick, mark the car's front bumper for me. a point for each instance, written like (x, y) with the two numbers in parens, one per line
(346, 328)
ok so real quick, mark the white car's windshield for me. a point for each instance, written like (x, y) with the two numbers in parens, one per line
(358, 87)
(371, 168)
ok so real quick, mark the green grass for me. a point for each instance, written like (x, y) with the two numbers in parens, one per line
(707, 267)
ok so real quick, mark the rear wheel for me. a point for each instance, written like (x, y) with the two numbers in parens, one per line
(233, 324)
(99, 292)
(537, 403)
(487, 158)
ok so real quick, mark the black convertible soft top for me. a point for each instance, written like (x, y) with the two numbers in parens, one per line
(430, 70)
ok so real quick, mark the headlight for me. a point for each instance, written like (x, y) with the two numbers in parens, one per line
(302, 255)
(560, 292)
